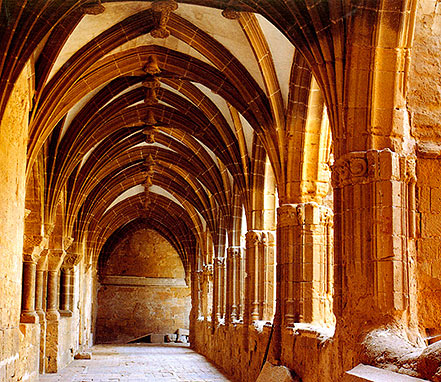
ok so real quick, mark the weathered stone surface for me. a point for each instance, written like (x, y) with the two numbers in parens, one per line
(13, 139)
(272, 373)
(143, 291)
(145, 254)
(83, 355)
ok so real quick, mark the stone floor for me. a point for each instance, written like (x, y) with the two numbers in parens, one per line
(136, 363)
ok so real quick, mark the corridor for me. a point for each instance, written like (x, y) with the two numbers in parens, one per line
(136, 363)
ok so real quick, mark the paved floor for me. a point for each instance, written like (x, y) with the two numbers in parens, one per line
(136, 363)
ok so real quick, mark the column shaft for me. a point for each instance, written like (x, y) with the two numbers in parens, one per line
(28, 314)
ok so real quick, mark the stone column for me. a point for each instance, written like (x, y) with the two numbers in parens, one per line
(207, 276)
(218, 288)
(52, 295)
(28, 314)
(66, 292)
(32, 248)
(251, 309)
(269, 281)
(287, 220)
(374, 227)
(304, 254)
(40, 305)
(233, 283)
(222, 287)
(55, 259)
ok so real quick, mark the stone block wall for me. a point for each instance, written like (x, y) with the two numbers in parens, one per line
(13, 139)
(28, 363)
(129, 312)
(429, 245)
(142, 290)
(240, 351)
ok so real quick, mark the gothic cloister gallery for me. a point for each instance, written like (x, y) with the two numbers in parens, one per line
(264, 173)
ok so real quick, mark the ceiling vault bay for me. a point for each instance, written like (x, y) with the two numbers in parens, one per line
(221, 110)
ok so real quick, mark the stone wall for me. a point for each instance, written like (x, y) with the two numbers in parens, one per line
(28, 363)
(240, 351)
(13, 139)
(429, 245)
(142, 290)
(424, 105)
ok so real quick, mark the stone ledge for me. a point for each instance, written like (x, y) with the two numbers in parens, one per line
(143, 281)
(367, 373)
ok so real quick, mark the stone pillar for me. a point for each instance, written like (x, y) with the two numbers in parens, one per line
(56, 257)
(374, 198)
(239, 290)
(52, 295)
(32, 248)
(207, 276)
(251, 309)
(286, 222)
(222, 286)
(269, 263)
(233, 284)
(218, 284)
(304, 251)
(66, 292)
(40, 305)
(28, 314)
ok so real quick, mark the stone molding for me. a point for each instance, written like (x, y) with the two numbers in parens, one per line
(143, 281)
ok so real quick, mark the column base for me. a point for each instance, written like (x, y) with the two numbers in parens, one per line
(65, 313)
(30, 317)
(52, 315)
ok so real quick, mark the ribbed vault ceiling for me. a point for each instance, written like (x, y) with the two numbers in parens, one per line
(228, 83)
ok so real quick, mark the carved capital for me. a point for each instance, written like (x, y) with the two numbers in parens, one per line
(362, 167)
(352, 167)
(252, 238)
(234, 252)
(326, 215)
(55, 259)
(290, 215)
(33, 245)
(71, 260)
(219, 261)
(408, 169)
(49, 229)
(67, 242)
(268, 238)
